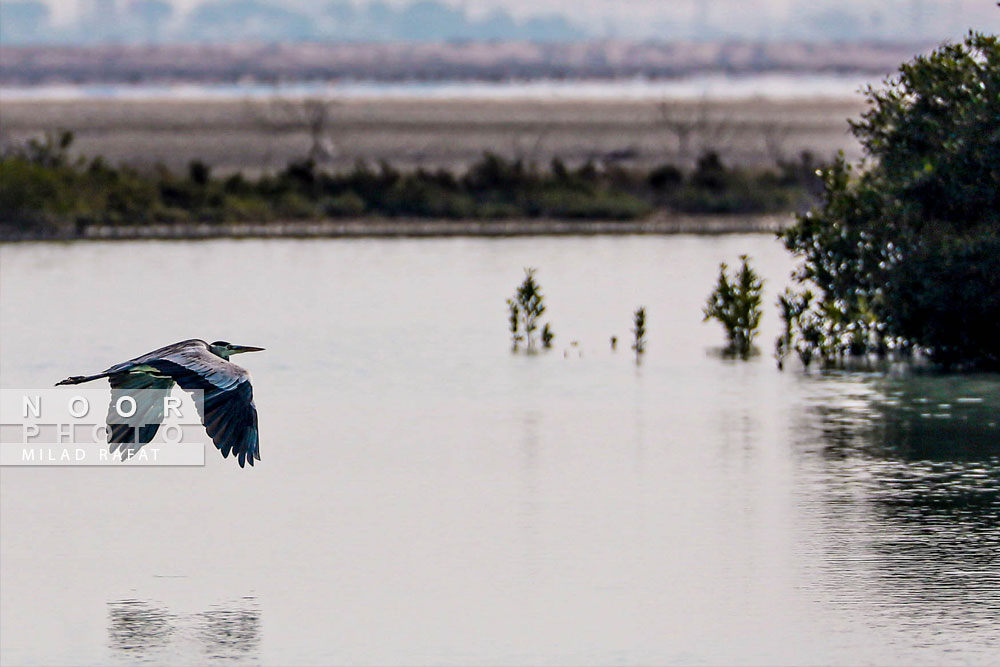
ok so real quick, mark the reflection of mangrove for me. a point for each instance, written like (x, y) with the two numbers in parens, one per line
(229, 633)
(929, 450)
(921, 417)
(45, 190)
(923, 455)
(138, 629)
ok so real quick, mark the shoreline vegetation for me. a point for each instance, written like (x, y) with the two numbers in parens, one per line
(46, 193)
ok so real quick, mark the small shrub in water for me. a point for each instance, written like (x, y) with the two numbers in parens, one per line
(792, 306)
(735, 303)
(524, 310)
(639, 330)
(547, 336)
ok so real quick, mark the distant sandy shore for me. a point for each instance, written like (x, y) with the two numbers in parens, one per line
(416, 228)
(257, 136)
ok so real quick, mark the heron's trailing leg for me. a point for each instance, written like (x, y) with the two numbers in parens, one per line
(79, 379)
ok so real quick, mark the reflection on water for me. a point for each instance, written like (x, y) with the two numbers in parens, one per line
(145, 631)
(137, 627)
(911, 484)
(230, 632)
(914, 417)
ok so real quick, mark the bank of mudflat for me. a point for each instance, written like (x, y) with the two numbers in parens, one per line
(415, 228)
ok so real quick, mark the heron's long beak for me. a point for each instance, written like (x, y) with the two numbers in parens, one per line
(237, 349)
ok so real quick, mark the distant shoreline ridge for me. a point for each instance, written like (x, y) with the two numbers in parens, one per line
(489, 63)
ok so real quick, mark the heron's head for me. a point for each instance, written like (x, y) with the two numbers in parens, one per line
(225, 350)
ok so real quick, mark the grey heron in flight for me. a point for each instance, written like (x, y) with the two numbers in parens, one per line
(228, 411)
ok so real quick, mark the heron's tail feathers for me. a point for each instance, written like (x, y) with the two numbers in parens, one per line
(78, 379)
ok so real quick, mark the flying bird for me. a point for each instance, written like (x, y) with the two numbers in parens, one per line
(228, 411)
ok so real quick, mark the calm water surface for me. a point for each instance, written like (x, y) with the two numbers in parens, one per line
(425, 496)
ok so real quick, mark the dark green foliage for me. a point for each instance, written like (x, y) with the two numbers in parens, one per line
(735, 303)
(345, 205)
(43, 192)
(904, 251)
(494, 173)
(953, 298)
(575, 204)
(716, 188)
(199, 172)
(301, 175)
(43, 189)
(49, 151)
(639, 332)
(524, 310)
(665, 177)
(710, 174)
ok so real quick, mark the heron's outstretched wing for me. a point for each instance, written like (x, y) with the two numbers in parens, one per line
(129, 434)
(231, 421)
(228, 412)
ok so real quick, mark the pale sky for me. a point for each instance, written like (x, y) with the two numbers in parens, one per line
(586, 10)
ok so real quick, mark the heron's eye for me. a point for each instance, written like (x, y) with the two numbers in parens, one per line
(220, 343)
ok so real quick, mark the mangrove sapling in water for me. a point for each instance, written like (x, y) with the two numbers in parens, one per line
(786, 303)
(514, 322)
(735, 303)
(547, 336)
(639, 331)
(524, 310)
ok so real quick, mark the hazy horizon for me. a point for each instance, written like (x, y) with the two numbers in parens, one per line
(155, 21)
